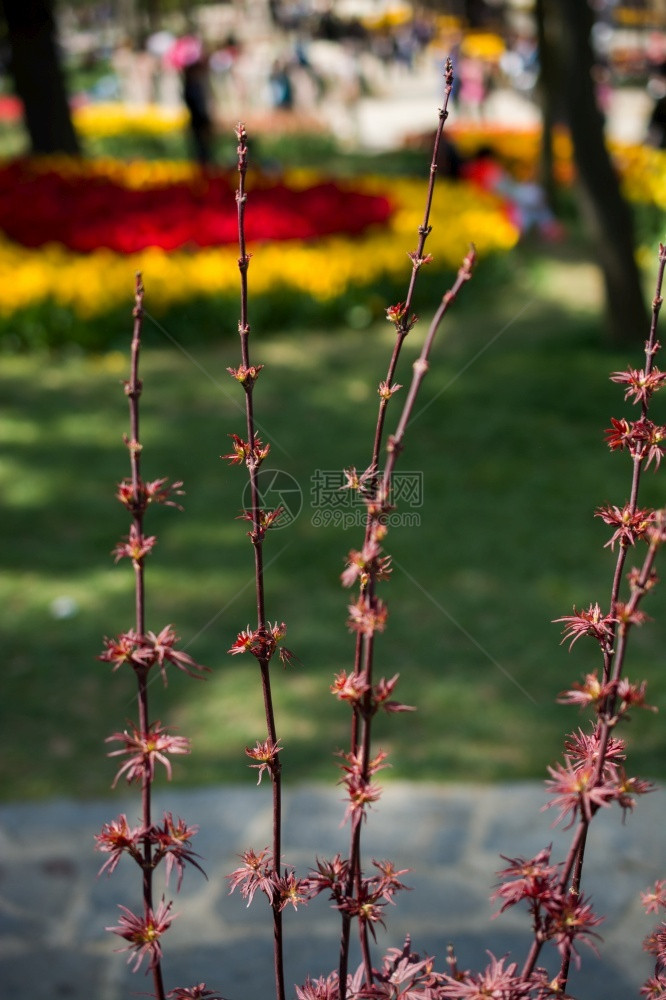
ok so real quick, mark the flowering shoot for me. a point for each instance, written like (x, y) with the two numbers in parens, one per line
(144, 933)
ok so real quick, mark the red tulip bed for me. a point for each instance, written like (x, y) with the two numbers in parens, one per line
(53, 206)
(74, 232)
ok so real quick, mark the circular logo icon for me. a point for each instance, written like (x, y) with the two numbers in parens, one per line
(276, 489)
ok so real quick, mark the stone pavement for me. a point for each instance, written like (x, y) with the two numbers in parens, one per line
(53, 908)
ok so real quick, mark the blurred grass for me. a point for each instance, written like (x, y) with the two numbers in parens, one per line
(508, 434)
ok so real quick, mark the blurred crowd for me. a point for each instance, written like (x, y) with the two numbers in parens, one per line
(290, 65)
(311, 61)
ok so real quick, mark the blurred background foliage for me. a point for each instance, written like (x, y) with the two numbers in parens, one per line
(508, 437)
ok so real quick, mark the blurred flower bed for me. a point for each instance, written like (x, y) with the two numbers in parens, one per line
(107, 118)
(75, 232)
(641, 168)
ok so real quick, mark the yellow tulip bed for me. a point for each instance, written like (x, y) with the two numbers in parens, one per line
(93, 282)
(322, 256)
(107, 118)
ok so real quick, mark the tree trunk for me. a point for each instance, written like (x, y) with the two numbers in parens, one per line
(604, 210)
(547, 93)
(37, 74)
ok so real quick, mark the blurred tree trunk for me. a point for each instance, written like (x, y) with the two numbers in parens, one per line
(547, 91)
(37, 74)
(568, 26)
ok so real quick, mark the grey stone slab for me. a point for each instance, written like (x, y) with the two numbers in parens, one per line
(53, 908)
(51, 974)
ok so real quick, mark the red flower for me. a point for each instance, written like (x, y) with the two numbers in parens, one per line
(144, 933)
(592, 691)
(127, 648)
(73, 210)
(144, 751)
(367, 615)
(262, 642)
(163, 652)
(582, 748)
(387, 883)
(256, 872)
(350, 687)
(243, 452)
(172, 843)
(639, 385)
(620, 435)
(356, 481)
(576, 791)
(654, 988)
(329, 875)
(591, 622)
(571, 921)
(367, 907)
(386, 391)
(320, 989)
(643, 439)
(291, 891)
(266, 753)
(627, 788)
(142, 651)
(494, 981)
(116, 839)
(533, 879)
(135, 546)
(382, 692)
(628, 616)
(629, 526)
(158, 491)
(397, 315)
(199, 992)
(362, 793)
(245, 375)
(651, 901)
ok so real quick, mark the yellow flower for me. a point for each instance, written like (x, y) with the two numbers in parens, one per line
(92, 284)
(102, 120)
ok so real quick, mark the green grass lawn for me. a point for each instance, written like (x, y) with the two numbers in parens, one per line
(508, 435)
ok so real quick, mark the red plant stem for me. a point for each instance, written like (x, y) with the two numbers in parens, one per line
(403, 326)
(256, 536)
(133, 390)
(614, 656)
(366, 643)
(650, 350)
(420, 367)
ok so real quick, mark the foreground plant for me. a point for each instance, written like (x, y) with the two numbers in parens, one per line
(261, 871)
(355, 895)
(146, 743)
(592, 775)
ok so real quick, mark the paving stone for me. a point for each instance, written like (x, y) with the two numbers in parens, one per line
(50, 974)
(53, 908)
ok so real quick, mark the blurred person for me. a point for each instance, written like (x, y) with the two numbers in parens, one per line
(280, 86)
(196, 95)
(527, 206)
(187, 55)
(473, 90)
